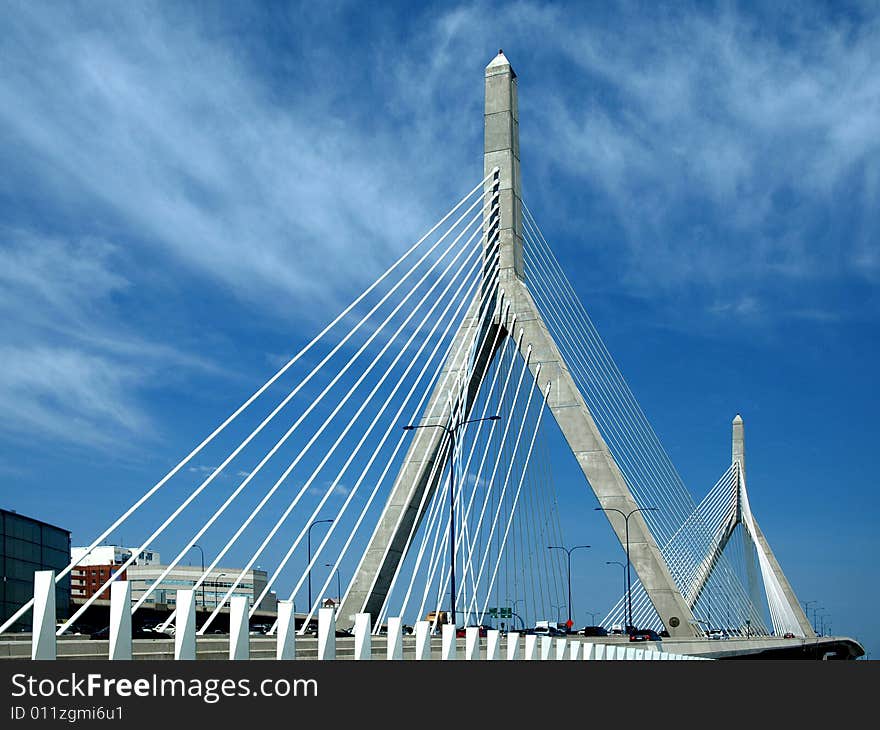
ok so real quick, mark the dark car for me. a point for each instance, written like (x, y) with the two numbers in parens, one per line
(644, 635)
(136, 633)
(593, 631)
(461, 633)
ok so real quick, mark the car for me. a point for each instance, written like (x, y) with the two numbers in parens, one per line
(617, 630)
(788, 635)
(548, 631)
(717, 634)
(484, 629)
(593, 631)
(644, 635)
(136, 633)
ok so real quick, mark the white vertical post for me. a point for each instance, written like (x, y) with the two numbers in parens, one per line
(395, 639)
(185, 626)
(493, 644)
(363, 647)
(546, 647)
(326, 633)
(630, 653)
(449, 645)
(43, 637)
(239, 628)
(472, 643)
(599, 652)
(589, 650)
(575, 650)
(531, 647)
(285, 632)
(640, 654)
(513, 652)
(560, 648)
(120, 620)
(423, 640)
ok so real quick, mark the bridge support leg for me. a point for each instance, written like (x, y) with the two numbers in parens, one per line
(531, 647)
(363, 649)
(513, 648)
(43, 636)
(120, 620)
(449, 643)
(395, 639)
(574, 650)
(493, 644)
(285, 637)
(239, 628)
(423, 640)
(472, 643)
(560, 648)
(185, 626)
(326, 633)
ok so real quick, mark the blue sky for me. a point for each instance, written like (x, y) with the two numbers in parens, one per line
(191, 191)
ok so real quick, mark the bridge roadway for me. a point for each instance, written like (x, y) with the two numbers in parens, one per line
(263, 647)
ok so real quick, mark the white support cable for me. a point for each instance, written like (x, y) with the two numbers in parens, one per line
(391, 461)
(445, 582)
(256, 431)
(375, 420)
(525, 367)
(491, 480)
(326, 423)
(618, 456)
(519, 486)
(302, 417)
(623, 395)
(158, 485)
(565, 283)
(433, 475)
(487, 297)
(146, 496)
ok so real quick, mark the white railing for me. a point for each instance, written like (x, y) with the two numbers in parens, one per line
(43, 640)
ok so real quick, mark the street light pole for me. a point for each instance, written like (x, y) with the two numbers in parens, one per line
(807, 610)
(450, 432)
(309, 541)
(626, 516)
(202, 553)
(568, 552)
(623, 567)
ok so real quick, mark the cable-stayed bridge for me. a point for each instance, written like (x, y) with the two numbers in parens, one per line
(414, 430)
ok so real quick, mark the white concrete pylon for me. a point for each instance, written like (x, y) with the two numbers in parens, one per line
(493, 644)
(598, 652)
(239, 628)
(513, 648)
(531, 647)
(423, 640)
(43, 636)
(575, 650)
(640, 654)
(120, 620)
(546, 647)
(285, 632)
(630, 653)
(472, 643)
(395, 639)
(449, 646)
(363, 648)
(326, 633)
(560, 648)
(185, 626)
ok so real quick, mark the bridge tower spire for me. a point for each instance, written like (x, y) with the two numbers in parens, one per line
(501, 153)
(417, 480)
